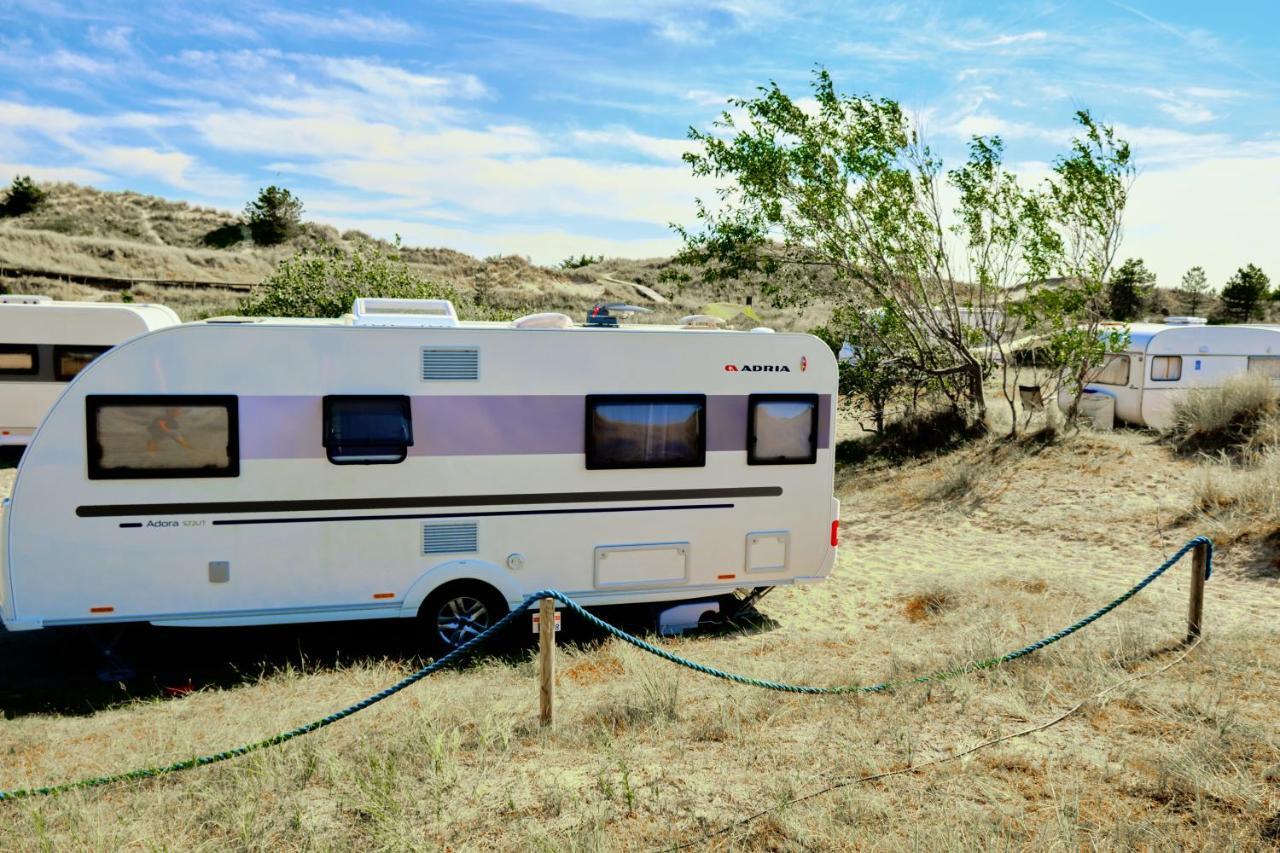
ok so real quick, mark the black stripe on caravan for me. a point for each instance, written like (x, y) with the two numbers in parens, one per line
(312, 519)
(215, 507)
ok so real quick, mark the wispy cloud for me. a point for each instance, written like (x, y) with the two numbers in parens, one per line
(343, 24)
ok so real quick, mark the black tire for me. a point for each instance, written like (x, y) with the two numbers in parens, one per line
(457, 612)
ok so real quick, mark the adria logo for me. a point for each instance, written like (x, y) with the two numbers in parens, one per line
(757, 368)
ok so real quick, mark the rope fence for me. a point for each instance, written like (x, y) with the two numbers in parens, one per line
(1202, 570)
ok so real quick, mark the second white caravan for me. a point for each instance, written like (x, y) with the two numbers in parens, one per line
(1164, 361)
(44, 344)
(263, 471)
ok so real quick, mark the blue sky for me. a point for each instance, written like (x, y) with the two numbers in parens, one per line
(553, 127)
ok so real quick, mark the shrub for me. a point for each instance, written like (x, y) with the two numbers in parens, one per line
(1240, 417)
(275, 216)
(324, 282)
(572, 263)
(24, 196)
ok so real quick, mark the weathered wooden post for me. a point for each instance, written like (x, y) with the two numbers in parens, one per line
(547, 661)
(1195, 611)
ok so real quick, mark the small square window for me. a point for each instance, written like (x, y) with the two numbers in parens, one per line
(68, 361)
(646, 431)
(1267, 365)
(1166, 368)
(152, 436)
(782, 429)
(19, 360)
(367, 430)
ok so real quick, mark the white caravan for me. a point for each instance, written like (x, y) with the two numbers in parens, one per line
(1165, 360)
(44, 344)
(405, 464)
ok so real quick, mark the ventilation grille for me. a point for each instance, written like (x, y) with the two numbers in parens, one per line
(449, 538)
(452, 364)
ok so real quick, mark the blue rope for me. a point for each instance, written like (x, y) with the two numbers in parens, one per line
(469, 646)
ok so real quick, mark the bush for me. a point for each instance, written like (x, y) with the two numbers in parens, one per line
(325, 282)
(1241, 417)
(275, 216)
(920, 435)
(572, 263)
(24, 196)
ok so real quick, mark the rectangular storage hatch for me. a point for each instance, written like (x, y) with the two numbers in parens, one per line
(450, 364)
(642, 565)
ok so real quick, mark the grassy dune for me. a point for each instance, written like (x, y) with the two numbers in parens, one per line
(646, 756)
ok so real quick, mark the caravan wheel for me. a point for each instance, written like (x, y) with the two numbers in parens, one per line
(458, 612)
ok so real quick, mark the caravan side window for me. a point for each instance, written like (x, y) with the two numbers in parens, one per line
(68, 361)
(1166, 368)
(19, 360)
(146, 436)
(367, 430)
(1267, 365)
(1114, 371)
(646, 431)
(782, 429)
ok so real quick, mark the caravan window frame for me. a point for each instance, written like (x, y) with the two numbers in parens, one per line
(59, 350)
(332, 447)
(594, 454)
(94, 403)
(1261, 360)
(1170, 359)
(1107, 362)
(754, 401)
(21, 349)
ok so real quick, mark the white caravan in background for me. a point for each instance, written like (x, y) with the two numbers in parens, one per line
(1165, 360)
(44, 344)
(405, 464)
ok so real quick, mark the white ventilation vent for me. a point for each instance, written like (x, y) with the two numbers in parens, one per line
(450, 364)
(449, 538)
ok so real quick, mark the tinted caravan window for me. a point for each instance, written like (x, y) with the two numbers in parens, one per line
(68, 361)
(162, 436)
(782, 429)
(18, 360)
(367, 430)
(647, 431)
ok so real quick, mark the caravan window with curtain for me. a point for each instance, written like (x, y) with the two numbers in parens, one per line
(18, 360)
(149, 436)
(646, 431)
(1166, 368)
(1267, 365)
(1114, 371)
(68, 361)
(782, 429)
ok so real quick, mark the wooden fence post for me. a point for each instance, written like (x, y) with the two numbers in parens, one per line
(547, 661)
(1195, 610)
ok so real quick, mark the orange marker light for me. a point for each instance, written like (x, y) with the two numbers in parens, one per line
(384, 595)
(725, 577)
(102, 610)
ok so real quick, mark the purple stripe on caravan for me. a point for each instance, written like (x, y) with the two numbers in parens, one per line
(289, 427)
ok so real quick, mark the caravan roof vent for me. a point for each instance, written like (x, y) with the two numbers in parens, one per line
(414, 313)
(23, 299)
(1185, 321)
(549, 320)
(701, 321)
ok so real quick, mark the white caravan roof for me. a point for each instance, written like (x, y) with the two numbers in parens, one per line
(82, 323)
(1165, 339)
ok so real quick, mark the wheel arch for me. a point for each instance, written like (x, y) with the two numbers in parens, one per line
(474, 571)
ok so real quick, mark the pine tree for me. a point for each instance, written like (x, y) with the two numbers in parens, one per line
(24, 196)
(274, 216)
(1130, 287)
(1193, 292)
(1243, 295)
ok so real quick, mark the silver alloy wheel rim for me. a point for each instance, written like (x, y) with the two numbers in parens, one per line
(460, 619)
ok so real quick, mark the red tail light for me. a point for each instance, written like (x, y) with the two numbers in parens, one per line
(835, 533)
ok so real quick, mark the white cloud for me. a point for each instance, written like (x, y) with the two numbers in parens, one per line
(341, 25)
(168, 166)
(680, 21)
(669, 150)
(74, 174)
(112, 38)
(397, 84)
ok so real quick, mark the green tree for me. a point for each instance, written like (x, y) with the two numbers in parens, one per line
(1129, 289)
(1194, 291)
(874, 377)
(1243, 295)
(325, 282)
(843, 202)
(274, 216)
(24, 196)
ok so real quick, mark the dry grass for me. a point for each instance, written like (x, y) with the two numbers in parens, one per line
(646, 755)
(1241, 417)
